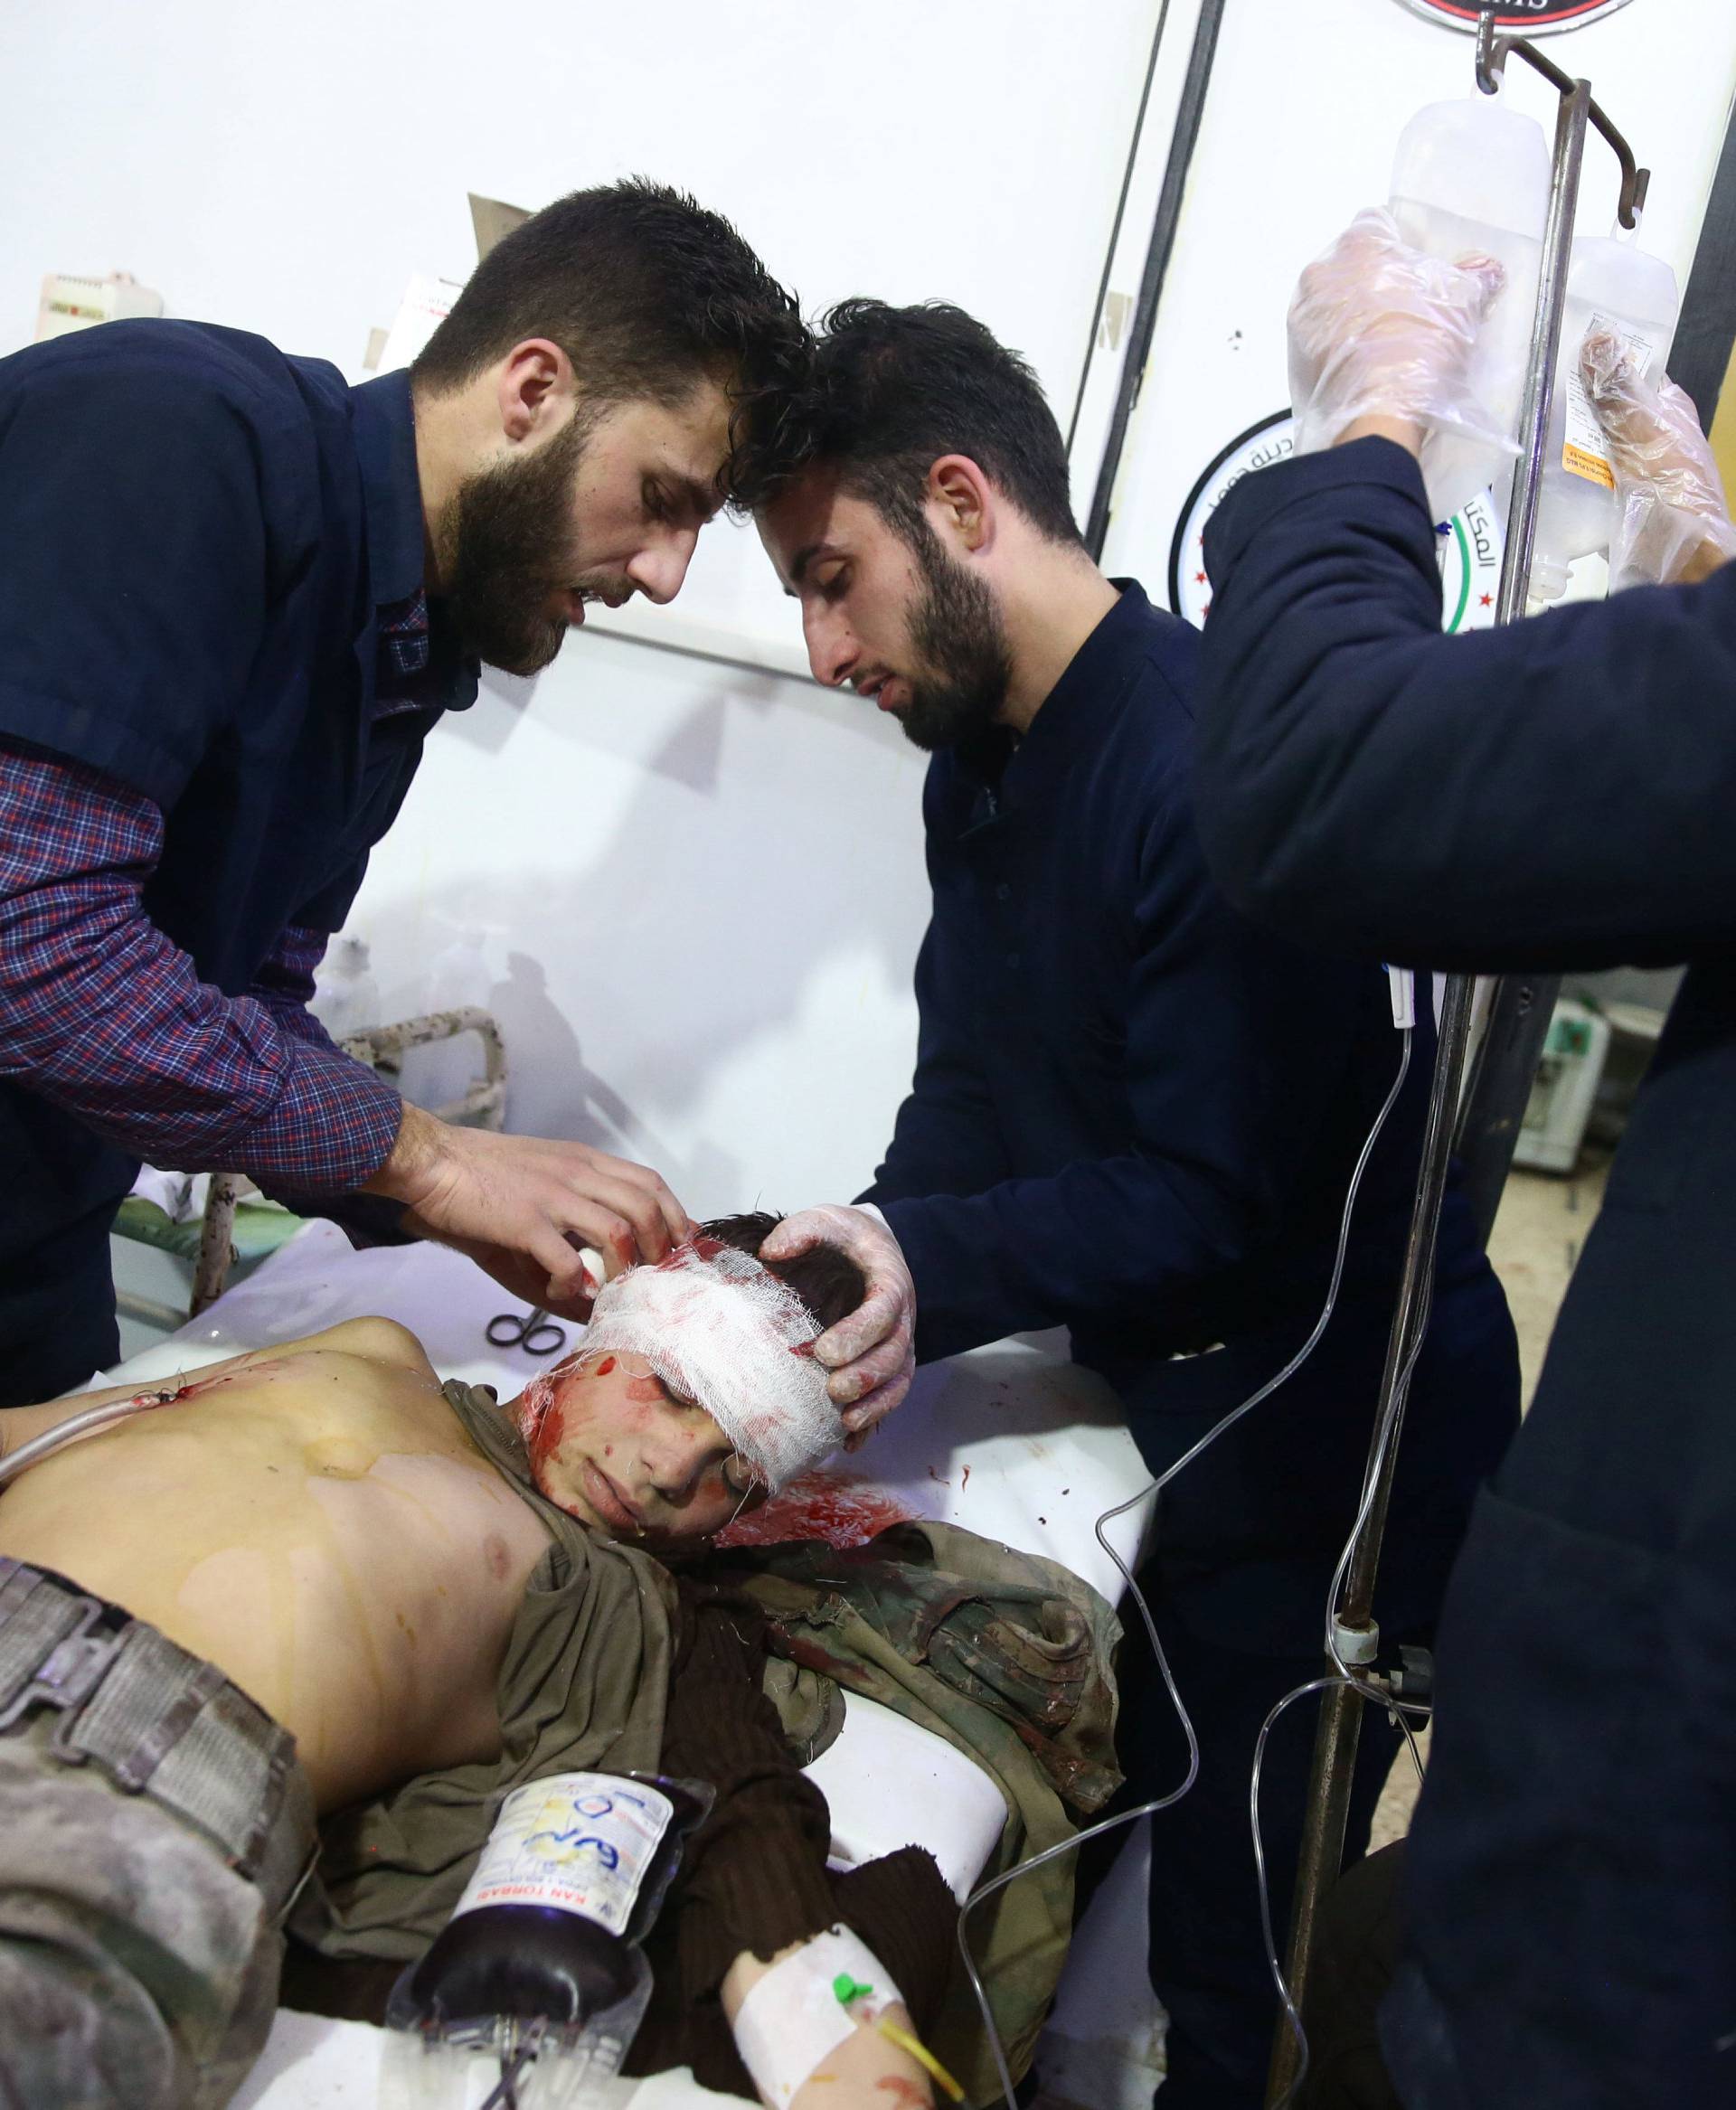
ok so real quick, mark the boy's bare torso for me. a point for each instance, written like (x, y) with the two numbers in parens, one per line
(318, 1523)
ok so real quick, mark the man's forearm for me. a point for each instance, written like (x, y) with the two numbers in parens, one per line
(1361, 778)
(285, 983)
(102, 1014)
(866, 2067)
(1402, 431)
(107, 1019)
(164, 1068)
(413, 1171)
(1104, 1239)
(1709, 557)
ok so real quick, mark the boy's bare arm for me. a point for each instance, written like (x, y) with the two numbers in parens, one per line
(867, 2072)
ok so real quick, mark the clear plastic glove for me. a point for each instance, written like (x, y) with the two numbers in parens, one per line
(1674, 524)
(871, 1354)
(1379, 329)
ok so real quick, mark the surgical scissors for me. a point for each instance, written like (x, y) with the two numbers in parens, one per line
(535, 1331)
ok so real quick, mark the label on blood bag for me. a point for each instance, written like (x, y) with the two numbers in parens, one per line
(1586, 451)
(580, 1842)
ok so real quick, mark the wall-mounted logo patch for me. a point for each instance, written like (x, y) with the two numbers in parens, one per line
(1469, 546)
(1522, 18)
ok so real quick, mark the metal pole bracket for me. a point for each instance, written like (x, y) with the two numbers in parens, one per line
(1492, 55)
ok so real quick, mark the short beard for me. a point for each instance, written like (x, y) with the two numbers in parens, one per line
(958, 638)
(508, 526)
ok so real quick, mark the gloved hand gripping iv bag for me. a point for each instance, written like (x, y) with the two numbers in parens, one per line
(1471, 177)
(1612, 284)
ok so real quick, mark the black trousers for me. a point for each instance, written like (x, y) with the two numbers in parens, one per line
(1207, 1958)
(1361, 1931)
(57, 1312)
(1244, 1549)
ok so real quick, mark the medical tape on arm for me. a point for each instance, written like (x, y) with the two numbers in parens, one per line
(793, 2021)
(717, 1326)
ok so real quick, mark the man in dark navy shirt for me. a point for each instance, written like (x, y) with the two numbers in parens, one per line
(1558, 794)
(1133, 1114)
(237, 594)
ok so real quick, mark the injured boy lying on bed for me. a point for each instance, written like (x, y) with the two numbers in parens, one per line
(314, 1587)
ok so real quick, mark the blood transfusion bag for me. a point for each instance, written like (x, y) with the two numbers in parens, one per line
(537, 1983)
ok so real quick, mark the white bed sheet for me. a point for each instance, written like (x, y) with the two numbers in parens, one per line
(1013, 1441)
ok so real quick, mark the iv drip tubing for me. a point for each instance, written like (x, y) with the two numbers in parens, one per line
(86, 1424)
(1162, 1803)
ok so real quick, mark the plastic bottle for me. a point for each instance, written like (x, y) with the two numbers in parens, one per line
(1611, 283)
(1471, 177)
(346, 997)
(541, 1958)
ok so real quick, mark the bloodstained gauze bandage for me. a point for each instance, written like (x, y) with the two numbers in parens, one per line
(720, 1329)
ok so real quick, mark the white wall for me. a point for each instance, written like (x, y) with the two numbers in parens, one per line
(700, 888)
(1304, 112)
(704, 889)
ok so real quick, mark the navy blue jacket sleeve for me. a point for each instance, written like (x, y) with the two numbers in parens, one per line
(1554, 794)
(133, 593)
(1235, 1045)
(946, 1139)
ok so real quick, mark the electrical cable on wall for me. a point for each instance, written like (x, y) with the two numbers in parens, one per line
(1115, 230)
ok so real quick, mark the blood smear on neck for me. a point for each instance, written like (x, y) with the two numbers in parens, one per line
(844, 1512)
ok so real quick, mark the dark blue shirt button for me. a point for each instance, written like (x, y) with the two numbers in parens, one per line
(1002, 892)
(1012, 960)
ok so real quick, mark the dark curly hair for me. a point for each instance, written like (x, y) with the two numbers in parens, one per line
(647, 293)
(829, 1283)
(887, 392)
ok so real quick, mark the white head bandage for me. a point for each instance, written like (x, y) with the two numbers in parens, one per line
(715, 1324)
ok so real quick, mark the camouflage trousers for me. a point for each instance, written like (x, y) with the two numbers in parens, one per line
(154, 1829)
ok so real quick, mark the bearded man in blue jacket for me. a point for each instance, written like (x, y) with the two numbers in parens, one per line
(1552, 796)
(1134, 1114)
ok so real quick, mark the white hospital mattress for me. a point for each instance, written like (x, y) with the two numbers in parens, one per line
(1012, 1441)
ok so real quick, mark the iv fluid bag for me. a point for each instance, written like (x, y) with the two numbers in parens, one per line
(1611, 285)
(1471, 177)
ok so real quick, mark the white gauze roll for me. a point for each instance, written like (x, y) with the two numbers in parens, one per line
(719, 1327)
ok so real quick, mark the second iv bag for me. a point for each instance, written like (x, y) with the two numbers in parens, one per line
(1471, 178)
(1612, 284)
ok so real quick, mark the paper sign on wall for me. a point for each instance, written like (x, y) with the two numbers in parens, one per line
(427, 301)
(70, 302)
(426, 304)
(493, 222)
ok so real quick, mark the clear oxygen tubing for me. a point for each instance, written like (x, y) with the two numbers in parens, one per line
(86, 1424)
(1162, 1803)
(1387, 1437)
(1398, 1709)
(1342, 1674)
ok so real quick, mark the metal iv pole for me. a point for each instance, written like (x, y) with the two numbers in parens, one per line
(1357, 1632)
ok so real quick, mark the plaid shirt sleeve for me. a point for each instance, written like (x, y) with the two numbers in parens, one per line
(285, 983)
(102, 1014)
